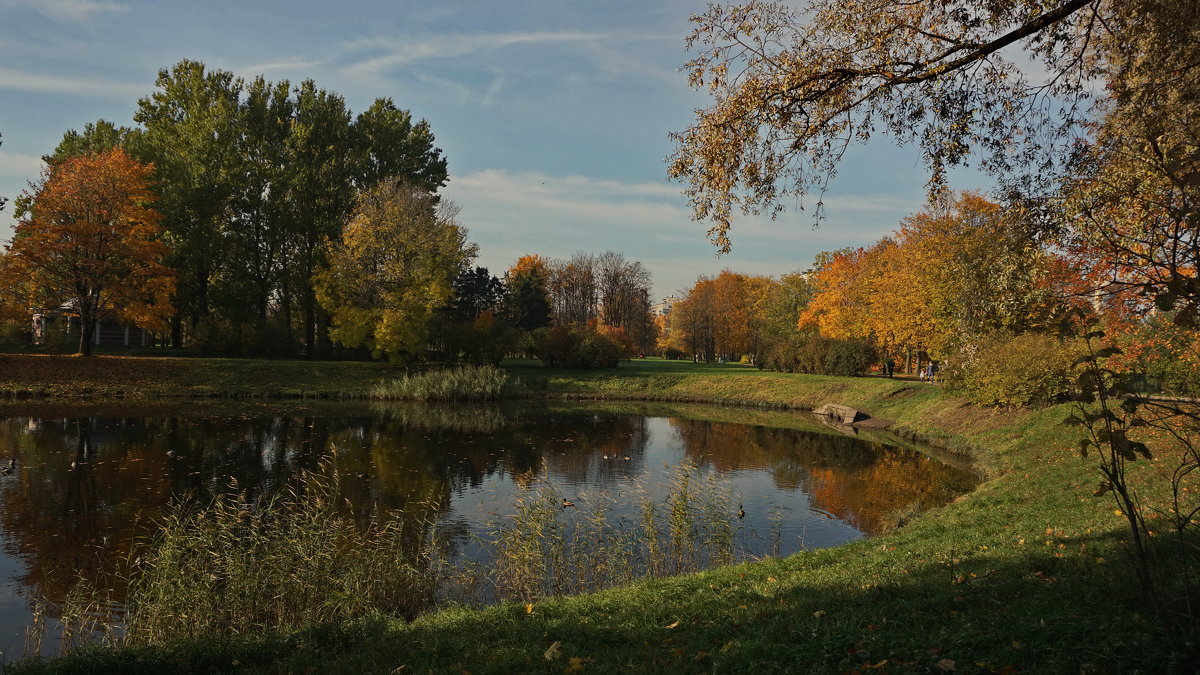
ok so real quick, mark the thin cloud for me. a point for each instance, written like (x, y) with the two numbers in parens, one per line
(514, 213)
(69, 10)
(25, 81)
(18, 165)
(379, 56)
(281, 66)
(409, 50)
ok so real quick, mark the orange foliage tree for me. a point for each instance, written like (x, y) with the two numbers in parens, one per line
(723, 316)
(91, 242)
(961, 268)
(837, 306)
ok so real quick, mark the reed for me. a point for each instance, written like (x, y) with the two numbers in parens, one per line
(543, 548)
(236, 567)
(464, 383)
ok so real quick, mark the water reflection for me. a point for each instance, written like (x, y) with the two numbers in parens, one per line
(84, 487)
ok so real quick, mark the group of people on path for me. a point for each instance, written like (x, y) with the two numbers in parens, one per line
(927, 374)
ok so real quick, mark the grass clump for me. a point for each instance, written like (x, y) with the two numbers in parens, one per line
(290, 561)
(554, 545)
(464, 383)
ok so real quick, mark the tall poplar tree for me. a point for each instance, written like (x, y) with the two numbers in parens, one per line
(191, 133)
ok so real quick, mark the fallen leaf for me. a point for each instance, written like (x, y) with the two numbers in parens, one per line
(673, 625)
(946, 664)
(554, 651)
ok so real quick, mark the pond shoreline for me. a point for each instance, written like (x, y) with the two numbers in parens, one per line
(1015, 575)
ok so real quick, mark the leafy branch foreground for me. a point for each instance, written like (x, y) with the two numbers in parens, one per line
(1028, 573)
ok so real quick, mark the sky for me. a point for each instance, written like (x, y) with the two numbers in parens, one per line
(554, 115)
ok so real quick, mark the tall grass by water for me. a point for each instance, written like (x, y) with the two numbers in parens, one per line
(237, 567)
(464, 383)
(557, 544)
(234, 567)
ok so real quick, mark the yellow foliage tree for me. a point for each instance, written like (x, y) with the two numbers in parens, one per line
(394, 265)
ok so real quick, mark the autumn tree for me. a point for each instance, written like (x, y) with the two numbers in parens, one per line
(793, 88)
(839, 295)
(962, 268)
(692, 322)
(394, 265)
(91, 242)
(1131, 208)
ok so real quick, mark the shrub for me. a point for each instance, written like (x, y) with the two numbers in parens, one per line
(816, 355)
(848, 357)
(575, 347)
(1006, 370)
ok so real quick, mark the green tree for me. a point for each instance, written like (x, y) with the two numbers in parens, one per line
(475, 292)
(390, 144)
(191, 133)
(260, 214)
(320, 194)
(98, 136)
(526, 304)
(393, 267)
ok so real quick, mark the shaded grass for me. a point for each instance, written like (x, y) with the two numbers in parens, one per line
(1027, 573)
(138, 378)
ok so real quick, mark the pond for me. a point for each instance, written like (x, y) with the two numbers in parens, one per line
(87, 482)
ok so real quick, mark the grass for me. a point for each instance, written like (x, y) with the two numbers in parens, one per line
(1025, 574)
(462, 383)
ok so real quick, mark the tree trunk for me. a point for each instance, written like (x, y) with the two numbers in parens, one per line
(310, 320)
(87, 327)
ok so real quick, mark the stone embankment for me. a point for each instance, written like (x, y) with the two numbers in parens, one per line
(844, 414)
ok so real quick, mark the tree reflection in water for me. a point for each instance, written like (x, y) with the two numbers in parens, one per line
(87, 486)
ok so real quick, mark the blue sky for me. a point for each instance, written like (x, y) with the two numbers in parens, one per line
(553, 114)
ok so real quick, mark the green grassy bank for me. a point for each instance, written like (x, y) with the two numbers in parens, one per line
(1026, 574)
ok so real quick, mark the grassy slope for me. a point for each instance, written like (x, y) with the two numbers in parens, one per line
(1024, 574)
